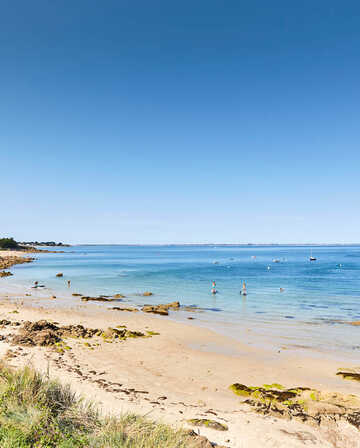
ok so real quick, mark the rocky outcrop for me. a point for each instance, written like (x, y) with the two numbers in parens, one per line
(162, 309)
(5, 274)
(147, 293)
(7, 262)
(44, 333)
(60, 274)
(302, 403)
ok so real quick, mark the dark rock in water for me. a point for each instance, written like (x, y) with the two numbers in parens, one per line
(76, 294)
(208, 424)
(131, 310)
(96, 299)
(156, 309)
(162, 309)
(5, 274)
(118, 296)
(147, 293)
(60, 274)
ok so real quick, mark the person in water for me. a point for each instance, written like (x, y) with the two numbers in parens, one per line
(244, 292)
(69, 283)
(213, 288)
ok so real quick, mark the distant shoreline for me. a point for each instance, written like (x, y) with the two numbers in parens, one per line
(222, 244)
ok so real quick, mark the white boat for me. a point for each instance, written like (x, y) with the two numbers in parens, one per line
(311, 256)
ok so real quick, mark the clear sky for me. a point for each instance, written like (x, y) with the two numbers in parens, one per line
(137, 121)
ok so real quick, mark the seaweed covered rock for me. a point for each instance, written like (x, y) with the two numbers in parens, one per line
(349, 375)
(213, 424)
(162, 309)
(303, 403)
(5, 274)
(121, 333)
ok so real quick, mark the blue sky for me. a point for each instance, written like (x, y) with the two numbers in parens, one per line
(193, 121)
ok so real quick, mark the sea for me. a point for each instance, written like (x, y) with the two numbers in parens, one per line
(291, 302)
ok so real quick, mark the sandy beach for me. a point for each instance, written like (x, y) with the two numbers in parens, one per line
(177, 373)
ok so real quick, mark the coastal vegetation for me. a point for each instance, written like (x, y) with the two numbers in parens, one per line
(8, 243)
(38, 412)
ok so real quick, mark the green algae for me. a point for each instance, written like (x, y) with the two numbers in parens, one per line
(152, 333)
(273, 386)
(208, 424)
(349, 375)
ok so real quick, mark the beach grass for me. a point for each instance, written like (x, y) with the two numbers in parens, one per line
(38, 412)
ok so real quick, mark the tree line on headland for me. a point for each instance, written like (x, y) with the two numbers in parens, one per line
(10, 243)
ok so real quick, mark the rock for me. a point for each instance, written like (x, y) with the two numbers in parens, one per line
(121, 333)
(7, 262)
(208, 424)
(119, 296)
(53, 297)
(196, 441)
(302, 403)
(76, 294)
(147, 293)
(157, 309)
(349, 375)
(162, 309)
(60, 274)
(5, 274)
(131, 310)
(96, 299)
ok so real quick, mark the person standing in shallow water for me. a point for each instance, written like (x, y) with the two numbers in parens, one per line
(213, 288)
(69, 283)
(244, 292)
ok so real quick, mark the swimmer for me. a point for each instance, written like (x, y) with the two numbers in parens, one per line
(69, 283)
(282, 289)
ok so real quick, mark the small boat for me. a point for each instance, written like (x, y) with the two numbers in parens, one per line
(311, 257)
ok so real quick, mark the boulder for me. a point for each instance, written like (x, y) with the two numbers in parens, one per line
(60, 274)
(156, 309)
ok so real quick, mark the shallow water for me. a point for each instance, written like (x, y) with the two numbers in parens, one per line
(316, 294)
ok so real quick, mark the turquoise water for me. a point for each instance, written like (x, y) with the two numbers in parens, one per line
(316, 294)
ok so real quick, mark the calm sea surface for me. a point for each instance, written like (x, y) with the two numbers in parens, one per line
(317, 295)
